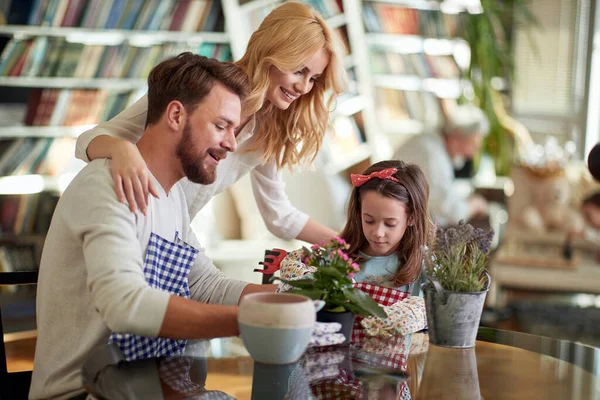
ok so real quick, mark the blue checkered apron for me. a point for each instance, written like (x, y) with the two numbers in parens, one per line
(166, 267)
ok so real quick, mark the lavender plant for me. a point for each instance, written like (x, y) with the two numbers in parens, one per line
(458, 256)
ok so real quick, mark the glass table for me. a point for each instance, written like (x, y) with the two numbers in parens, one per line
(503, 365)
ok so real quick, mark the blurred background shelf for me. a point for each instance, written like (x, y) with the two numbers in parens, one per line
(111, 36)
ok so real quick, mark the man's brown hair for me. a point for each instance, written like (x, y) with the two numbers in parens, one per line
(189, 78)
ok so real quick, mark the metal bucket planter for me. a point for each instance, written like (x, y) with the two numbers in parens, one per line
(453, 317)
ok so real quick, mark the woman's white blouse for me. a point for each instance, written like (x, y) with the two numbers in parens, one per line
(281, 217)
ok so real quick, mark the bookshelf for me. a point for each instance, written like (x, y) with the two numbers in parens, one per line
(417, 61)
(77, 63)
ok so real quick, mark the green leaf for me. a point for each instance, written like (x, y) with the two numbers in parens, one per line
(301, 283)
(331, 271)
(338, 309)
(356, 309)
(365, 302)
(312, 294)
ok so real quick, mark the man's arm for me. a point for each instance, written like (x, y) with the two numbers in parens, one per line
(252, 288)
(114, 265)
(208, 284)
(188, 319)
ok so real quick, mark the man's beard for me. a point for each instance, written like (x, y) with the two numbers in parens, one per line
(193, 165)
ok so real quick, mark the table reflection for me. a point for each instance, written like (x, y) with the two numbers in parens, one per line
(376, 370)
(503, 365)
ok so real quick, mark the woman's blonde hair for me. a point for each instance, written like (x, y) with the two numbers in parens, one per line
(288, 36)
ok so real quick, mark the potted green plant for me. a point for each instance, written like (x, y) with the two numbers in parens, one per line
(489, 35)
(331, 281)
(457, 284)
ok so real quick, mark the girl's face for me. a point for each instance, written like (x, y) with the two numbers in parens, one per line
(286, 86)
(384, 221)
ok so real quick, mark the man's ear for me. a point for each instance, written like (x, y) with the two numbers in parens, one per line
(176, 115)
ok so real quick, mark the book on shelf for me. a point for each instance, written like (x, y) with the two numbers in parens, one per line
(54, 57)
(18, 257)
(403, 105)
(35, 156)
(344, 139)
(413, 64)
(26, 215)
(327, 9)
(150, 15)
(400, 20)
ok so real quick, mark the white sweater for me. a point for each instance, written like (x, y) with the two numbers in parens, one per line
(91, 280)
(281, 217)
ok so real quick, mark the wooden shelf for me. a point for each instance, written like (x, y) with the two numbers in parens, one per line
(112, 36)
(360, 154)
(407, 44)
(348, 61)
(29, 184)
(257, 4)
(443, 88)
(336, 21)
(43, 131)
(74, 83)
(348, 106)
(448, 6)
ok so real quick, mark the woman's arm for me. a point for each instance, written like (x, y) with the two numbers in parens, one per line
(314, 232)
(281, 217)
(128, 125)
(116, 139)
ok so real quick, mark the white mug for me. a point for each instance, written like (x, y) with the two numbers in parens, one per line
(276, 327)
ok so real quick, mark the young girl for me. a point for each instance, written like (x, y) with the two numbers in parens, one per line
(388, 224)
(292, 60)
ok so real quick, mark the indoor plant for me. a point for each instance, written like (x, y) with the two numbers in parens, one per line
(489, 35)
(330, 280)
(457, 284)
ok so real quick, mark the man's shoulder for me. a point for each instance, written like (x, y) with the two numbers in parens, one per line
(92, 179)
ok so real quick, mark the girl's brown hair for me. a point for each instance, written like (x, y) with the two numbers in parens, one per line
(413, 191)
(287, 37)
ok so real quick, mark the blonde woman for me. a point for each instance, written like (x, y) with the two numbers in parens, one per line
(292, 60)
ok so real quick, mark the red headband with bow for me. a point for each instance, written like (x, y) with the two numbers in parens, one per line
(359, 180)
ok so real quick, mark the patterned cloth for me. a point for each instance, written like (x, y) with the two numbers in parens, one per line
(166, 267)
(175, 373)
(383, 295)
(292, 268)
(326, 334)
(331, 371)
(404, 317)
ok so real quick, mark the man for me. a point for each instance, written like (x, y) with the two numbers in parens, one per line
(141, 281)
(440, 154)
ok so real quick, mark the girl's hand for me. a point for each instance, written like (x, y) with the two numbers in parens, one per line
(133, 180)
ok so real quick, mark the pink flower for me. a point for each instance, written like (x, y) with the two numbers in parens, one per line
(342, 255)
(315, 247)
(339, 240)
(355, 267)
(306, 260)
(351, 275)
